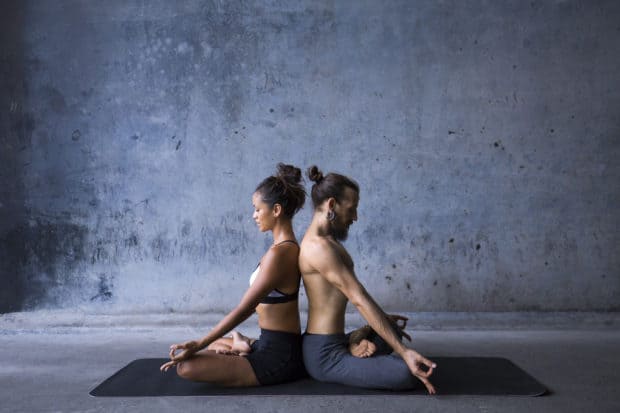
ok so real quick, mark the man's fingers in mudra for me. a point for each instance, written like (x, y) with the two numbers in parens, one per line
(425, 367)
(399, 317)
(429, 386)
(396, 318)
(407, 336)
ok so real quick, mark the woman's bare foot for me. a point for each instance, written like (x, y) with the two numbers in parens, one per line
(241, 344)
(362, 349)
(221, 345)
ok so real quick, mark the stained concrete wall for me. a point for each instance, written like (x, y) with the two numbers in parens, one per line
(484, 135)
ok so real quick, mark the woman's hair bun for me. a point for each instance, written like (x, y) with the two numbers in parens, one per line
(315, 174)
(284, 188)
(289, 173)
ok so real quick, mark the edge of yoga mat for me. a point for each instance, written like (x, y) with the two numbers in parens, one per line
(121, 384)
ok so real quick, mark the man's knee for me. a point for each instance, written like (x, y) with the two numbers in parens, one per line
(403, 380)
(392, 373)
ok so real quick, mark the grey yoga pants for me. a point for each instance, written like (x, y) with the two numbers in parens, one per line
(327, 358)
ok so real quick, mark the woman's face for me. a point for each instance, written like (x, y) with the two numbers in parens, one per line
(263, 214)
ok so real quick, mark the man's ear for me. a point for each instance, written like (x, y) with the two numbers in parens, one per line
(277, 210)
(331, 202)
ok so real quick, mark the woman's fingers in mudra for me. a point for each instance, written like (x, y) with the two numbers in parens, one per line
(187, 349)
(176, 358)
(177, 351)
(173, 349)
(166, 366)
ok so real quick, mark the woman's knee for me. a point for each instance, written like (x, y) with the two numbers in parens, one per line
(185, 369)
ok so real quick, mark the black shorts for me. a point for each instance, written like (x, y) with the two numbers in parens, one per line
(277, 357)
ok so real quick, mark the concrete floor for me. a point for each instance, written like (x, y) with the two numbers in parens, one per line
(52, 369)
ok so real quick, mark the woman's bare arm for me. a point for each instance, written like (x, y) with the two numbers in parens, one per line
(271, 273)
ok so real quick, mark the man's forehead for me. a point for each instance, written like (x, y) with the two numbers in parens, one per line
(351, 195)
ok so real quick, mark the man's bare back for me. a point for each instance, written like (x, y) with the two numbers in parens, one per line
(327, 303)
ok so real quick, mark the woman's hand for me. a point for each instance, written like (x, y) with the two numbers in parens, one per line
(415, 361)
(187, 350)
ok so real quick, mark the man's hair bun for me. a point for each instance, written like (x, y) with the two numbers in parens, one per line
(331, 185)
(314, 174)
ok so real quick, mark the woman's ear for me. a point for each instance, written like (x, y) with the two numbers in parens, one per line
(277, 210)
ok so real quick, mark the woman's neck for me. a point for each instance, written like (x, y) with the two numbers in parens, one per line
(283, 231)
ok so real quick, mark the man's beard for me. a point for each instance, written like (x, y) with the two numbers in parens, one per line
(340, 233)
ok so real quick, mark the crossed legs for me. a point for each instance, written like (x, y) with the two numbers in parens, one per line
(221, 363)
(220, 369)
(236, 344)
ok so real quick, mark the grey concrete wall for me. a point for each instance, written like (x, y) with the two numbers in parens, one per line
(484, 135)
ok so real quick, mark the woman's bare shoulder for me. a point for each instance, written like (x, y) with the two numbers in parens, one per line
(282, 252)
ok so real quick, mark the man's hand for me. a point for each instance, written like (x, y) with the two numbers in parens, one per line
(415, 361)
(400, 327)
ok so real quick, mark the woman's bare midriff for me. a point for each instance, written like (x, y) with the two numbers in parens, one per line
(279, 317)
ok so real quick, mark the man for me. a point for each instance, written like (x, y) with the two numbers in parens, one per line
(330, 281)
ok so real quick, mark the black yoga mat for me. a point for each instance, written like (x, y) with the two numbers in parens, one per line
(454, 376)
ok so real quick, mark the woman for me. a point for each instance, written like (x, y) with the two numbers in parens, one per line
(276, 356)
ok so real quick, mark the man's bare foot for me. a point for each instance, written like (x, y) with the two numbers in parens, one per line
(358, 335)
(362, 349)
(241, 344)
